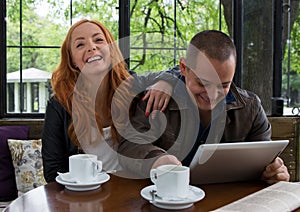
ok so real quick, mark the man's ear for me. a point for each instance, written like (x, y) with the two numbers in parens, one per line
(182, 66)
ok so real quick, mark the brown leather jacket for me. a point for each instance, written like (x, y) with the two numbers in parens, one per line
(244, 120)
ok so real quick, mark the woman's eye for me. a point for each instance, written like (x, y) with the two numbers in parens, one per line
(79, 45)
(99, 40)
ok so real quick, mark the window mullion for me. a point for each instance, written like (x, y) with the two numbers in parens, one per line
(21, 60)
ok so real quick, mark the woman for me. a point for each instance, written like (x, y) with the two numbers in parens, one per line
(78, 116)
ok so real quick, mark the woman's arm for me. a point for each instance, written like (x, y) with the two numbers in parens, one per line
(56, 146)
(159, 86)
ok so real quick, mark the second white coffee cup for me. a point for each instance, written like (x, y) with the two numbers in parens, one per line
(172, 181)
(84, 167)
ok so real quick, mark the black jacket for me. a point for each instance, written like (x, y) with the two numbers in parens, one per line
(56, 145)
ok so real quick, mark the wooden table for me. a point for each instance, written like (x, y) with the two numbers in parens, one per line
(121, 194)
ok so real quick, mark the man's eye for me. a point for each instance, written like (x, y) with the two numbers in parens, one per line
(203, 85)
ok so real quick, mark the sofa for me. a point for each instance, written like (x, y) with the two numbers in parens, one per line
(20, 157)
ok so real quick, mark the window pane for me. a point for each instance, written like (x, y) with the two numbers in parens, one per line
(13, 59)
(291, 66)
(22, 97)
(13, 80)
(153, 26)
(104, 11)
(33, 43)
(45, 59)
(257, 50)
(13, 22)
(54, 15)
(162, 59)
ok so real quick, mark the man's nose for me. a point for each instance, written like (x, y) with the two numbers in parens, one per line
(214, 92)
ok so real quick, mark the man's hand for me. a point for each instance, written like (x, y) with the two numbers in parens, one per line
(275, 172)
(166, 159)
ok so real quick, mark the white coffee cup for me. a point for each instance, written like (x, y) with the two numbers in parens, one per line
(84, 167)
(172, 181)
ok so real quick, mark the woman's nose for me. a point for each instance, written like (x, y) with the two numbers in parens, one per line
(91, 48)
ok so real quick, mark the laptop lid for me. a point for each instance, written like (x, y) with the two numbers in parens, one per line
(232, 162)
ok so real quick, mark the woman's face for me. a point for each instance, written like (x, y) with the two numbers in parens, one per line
(90, 50)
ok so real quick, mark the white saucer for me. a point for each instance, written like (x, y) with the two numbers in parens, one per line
(102, 178)
(195, 195)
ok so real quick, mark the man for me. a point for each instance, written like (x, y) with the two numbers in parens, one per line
(225, 113)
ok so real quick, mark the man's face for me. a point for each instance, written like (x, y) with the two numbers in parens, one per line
(209, 82)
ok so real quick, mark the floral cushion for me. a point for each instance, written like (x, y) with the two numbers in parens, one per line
(27, 160)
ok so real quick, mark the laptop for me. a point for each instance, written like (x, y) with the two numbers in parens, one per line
(233, 162)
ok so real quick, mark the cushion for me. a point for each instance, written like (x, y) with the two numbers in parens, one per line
(27, 160)
(8, 189)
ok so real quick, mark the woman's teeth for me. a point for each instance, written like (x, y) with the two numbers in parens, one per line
(94, 59)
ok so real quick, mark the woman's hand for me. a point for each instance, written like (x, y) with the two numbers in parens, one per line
(275, 172)
(158, 97)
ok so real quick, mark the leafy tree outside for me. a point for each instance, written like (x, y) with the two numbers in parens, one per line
(159, 29)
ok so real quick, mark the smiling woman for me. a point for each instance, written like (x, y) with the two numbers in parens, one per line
(90, 46)
(78, 116)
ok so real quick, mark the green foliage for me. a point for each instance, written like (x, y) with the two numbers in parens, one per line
(295, 46)
(44, 26)
(36, 31)
(155, 23)
(294, 78)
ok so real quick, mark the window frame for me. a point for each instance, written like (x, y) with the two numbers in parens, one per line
(2, 58)
(124, 31)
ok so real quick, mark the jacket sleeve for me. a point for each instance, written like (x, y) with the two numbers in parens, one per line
(137, 149)
(56, 146)
(145, 80)
(261, 127)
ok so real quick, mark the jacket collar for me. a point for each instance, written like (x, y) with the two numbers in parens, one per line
(237, 102)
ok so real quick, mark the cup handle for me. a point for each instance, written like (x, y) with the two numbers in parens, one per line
(97, 167)
(153, 175)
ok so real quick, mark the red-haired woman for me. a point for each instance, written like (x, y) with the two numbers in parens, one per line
(78, 117)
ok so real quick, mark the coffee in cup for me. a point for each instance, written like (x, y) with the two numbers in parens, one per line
(172, 181)
(84, 167)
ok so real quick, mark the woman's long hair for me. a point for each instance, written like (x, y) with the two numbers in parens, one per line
(64, 79)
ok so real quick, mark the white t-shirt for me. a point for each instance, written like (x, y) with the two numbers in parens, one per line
(104, 149)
